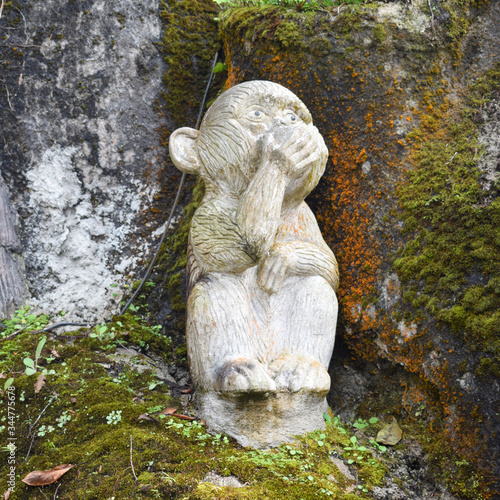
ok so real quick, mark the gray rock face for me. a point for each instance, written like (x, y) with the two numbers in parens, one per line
(77, 140)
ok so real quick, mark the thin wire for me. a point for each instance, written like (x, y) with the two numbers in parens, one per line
(167, 225)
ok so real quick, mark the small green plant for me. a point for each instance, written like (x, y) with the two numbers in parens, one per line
(102, 332)
(23, 321)
(220, 67)
(335, 421)
(293, 451)
(45, 430)
(362, 424)
(379, 447)
(31, 365)
(321, 440)
(114, 417)
(63, 420)
(8, 383)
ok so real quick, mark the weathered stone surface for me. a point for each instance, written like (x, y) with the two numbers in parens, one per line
(78, 138)
(262, 308)
(12, 288)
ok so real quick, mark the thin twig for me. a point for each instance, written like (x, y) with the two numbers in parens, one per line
(432, 16)
(8, 94)
(151, 360)
(40, 489)
(25, 25)
(29, 449)
(132, 463)
(55, 493)
(22, 329)
(19, 45)
(33, 425)
(451, 159)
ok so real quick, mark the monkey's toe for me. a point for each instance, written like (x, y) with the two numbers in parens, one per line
(296, 372)
(243, 375)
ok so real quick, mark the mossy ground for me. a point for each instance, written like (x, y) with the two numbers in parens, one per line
(89, 411)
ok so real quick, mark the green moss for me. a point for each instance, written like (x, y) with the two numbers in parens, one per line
(451, 264)
(289, 35)
(190, 41)
(379, 33)
(97, 403)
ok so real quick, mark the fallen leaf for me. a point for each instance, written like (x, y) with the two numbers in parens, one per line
(3, 375)
(6, 495)
(183, 417)
(169, 411)
(188, 390)
(100, 469)
(54, 353)
(41, 478)
(147, 416)
(390, 434)
(202, 422)
(73, 400)
(40, 382)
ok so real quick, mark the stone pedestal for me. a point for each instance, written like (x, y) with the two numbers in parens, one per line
(263, 421)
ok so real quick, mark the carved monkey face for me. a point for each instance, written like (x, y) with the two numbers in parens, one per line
(247, 126)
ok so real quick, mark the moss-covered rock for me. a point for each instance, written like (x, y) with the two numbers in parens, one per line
(392, 89)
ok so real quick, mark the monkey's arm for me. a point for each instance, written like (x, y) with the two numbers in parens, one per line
(259, 211)
(299, 249)
(217, 240)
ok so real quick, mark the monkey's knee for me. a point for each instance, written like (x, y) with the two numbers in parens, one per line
(219, 327)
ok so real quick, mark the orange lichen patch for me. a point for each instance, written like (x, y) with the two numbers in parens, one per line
(357, 254)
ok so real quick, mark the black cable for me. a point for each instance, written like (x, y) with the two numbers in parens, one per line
(174, 206)
(167, 225)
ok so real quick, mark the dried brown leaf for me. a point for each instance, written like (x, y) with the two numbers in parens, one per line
(41, 478)
(169, 411)
(40, 382)
(146, 416)
(188, 390)
(182, 417)
(54, 353)
(390, 434)
(73, 400)
(6, 495)
(4, 375)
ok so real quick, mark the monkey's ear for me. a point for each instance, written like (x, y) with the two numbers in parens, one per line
(182, 147)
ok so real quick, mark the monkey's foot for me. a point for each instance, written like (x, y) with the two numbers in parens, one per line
(295, 372)
(243, 375)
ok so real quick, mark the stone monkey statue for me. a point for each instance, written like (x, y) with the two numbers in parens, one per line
(262, 308)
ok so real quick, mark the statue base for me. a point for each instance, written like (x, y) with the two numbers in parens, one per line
(263, 421)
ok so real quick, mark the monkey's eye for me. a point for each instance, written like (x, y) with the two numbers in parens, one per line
(291, 117)
(256, 115)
